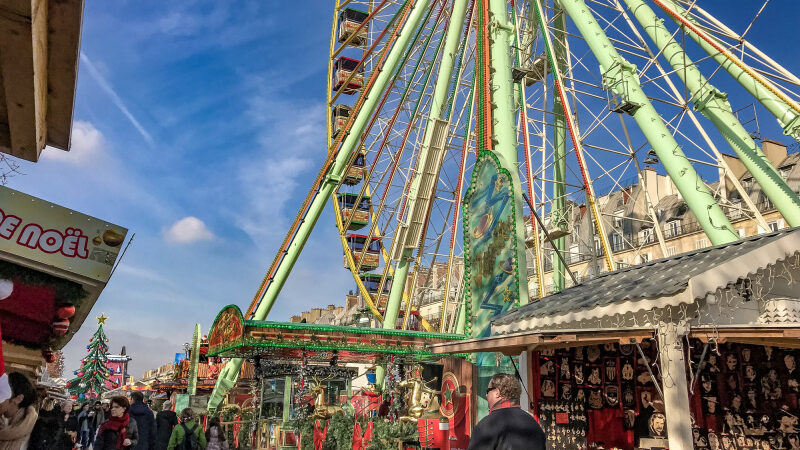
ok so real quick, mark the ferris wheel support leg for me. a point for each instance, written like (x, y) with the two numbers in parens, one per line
(786, 112)
(430, 160)
(558, 209)
(349, 145)
(714, 105)
(620, 77)
(504, 115)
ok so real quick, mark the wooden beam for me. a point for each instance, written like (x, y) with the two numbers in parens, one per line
(516, 344)
(23, 61)
(64, 39)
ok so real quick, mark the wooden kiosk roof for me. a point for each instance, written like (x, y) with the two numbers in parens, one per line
(233, 336)
(39, 51)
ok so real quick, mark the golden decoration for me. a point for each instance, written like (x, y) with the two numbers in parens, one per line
(101, 319)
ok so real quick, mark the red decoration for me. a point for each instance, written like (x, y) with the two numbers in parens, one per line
(49, 356)
(65, 312)
(73, 396)
(80, 374)
(60, 327)
(68, 383)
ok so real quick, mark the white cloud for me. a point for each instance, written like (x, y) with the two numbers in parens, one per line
(292, 136)
(187, 230)
(88, 146)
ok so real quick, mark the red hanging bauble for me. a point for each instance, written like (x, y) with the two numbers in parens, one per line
(68, 384)
(65, 312)
(49, 356)
(91, 339)
(80, 374)
(94, 373)
(73, 396)
(60, 327)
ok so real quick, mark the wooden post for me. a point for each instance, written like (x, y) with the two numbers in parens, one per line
(673, 381)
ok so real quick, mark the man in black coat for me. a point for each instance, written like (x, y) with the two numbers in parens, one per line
(507, 427)
(166, 419)
(145, 422)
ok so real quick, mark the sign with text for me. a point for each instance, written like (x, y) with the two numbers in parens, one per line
(55, 236)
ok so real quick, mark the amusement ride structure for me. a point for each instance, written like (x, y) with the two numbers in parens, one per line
(463, 134)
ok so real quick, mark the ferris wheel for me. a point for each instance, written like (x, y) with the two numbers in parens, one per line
(605, 96)
(595, 97)
(611, 117)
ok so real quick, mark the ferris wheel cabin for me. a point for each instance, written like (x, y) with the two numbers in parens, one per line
(371, 256)
(349, 22)
(343, 69)
(355, 173)
(372, 282)
(339, 117)
(360, 212)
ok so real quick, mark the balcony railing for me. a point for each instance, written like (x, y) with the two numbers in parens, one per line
(630, 242)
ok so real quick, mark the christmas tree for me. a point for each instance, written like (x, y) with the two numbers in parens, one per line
(92, 377)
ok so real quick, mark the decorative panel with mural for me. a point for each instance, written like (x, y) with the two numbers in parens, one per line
(490, 245)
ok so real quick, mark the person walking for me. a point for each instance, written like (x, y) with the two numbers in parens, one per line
(19, 411)
(145, 421)
(215, 435)
(507, 427)
(188, 435)
(119, 432)
(84, 428)
(48, 432)
(166, 419)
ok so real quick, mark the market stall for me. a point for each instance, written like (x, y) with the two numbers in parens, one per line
(302, 388)
(54, 263)
(690, 350)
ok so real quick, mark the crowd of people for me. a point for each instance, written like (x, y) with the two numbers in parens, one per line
(118, 423)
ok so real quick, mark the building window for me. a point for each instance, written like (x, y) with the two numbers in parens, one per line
(618, 215)
(644, 257)
(598, 249)
(645, 235)
(673, 228)
(700, 243)
(741, 232)
(775, 225)
(672, 250)
(747, 185)
(785, 171)
(616, 241)
(573, 254)
(576, 233)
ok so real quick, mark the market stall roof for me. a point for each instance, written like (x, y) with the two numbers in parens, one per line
(39, 51)
(671, 283)
(232, 336)
(653, 284)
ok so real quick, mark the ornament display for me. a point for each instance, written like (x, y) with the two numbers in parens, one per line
(65, 312)
(60, 327)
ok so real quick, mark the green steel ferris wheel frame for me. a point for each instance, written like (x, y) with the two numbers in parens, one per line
(619, 76)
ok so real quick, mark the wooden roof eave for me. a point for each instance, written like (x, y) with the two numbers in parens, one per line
(514, 344)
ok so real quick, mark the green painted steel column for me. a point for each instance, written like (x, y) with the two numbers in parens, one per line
(787, 117)
(229, 374)
(439, 101)
(714, 105)
(620, 76)
(504, 117)
(559, 206)
(287, 398)
(440, 91)
(194, 362)
(501, 37)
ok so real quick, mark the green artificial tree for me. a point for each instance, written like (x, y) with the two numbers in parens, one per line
(92, 377)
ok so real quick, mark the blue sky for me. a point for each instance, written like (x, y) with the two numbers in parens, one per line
(199, 125)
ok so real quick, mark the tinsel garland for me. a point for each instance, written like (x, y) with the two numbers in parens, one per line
(67, 292)
(340, 432)
(246, 415)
